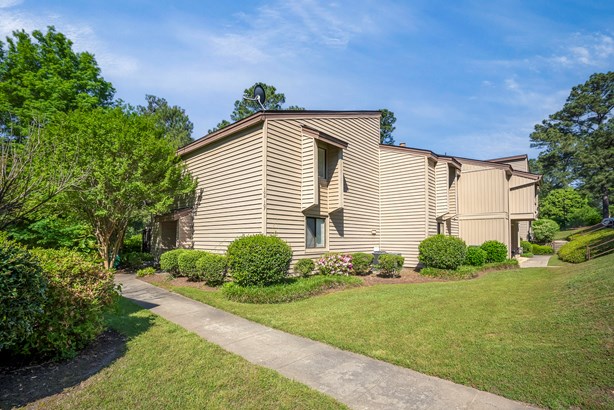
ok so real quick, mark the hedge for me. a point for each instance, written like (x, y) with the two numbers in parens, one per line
(258, 259)
(361, 263)
(187, 263)
(476, 256)
(495, 251)
(390, 265)
(575, 251)
(442, 252)
(304, 267)
(542, 250)
(169, 261)
(211, 268)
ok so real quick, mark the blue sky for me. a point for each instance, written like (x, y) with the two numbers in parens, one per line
(468, 78)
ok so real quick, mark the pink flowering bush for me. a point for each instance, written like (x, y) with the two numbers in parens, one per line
(335, 264)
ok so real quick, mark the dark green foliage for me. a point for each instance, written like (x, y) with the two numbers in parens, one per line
(467, 271)
(361, 263)
(293, 289)
(78, 294)
(585, 216)
(475, 256)
(527, 247)
(442, 252)
(304, 267)
(390, 265)
(575, 251)
(169, 261)
(132, 243)
(172, 120)
(544, 230)
(187, 263)
(541, 249)
(145, 271)
(528, 255)
(495, 251)
(564, 205)
(211, 268)
(55, 232)
(258, 260)
(133, 260)
(22, 293)
(386, 127)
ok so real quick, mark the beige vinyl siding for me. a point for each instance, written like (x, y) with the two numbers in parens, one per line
(349, 228)
(442, 183)
(229, 174)
(453, 203)
(523, 203)
(309, 170)
(403, 203)
(482, 191)
(519, 164)
(478, 231)
(524, 230)
(431, 198)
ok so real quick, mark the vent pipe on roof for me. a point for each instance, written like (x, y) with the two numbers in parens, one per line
(402, 144)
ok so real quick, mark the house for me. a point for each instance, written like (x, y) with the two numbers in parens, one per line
(321, 181)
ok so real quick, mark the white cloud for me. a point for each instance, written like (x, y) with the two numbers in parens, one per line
(5, 4)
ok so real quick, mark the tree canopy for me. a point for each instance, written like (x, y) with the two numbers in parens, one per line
(131, 171)
(563, 205)
(387, 127)
(173, 120)
(40, 75)
(578, 140)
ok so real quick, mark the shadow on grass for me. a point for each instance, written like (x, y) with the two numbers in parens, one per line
(23, 383)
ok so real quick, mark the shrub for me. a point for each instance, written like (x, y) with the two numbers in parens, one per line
(335, 264)
(585, 216)
(304, 267)
(361, 263)
(526, 246)
(544, 230)
(495, 251)
(462, 272)
(169, 261)
(145, 272)
(293, 289)
(22, 293)
(476, 256)
(134, 260)
(211, 268)
(443, 252)
(78, 293)
(258, 259)
(187, 263)
(132, 243)
(542, 250)
(390, 265)
(575, 251)
(527, 254)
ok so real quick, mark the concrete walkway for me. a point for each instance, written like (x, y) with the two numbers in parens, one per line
(358, 381)
(537, 261)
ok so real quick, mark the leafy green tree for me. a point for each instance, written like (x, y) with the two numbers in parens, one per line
(173, 120)
(387, 127)
(132, 171)
(578, 140)
(41, 75)
(561, 204)
(243, 108)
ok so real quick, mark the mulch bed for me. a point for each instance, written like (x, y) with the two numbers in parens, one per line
(23, 384)
(165, 278)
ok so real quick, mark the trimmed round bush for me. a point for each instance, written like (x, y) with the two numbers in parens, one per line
(258, 259)
(527, 247)
(544, 230)
(390, 265)
(211, 268)
(187, 263)
(79, 292)
(169, 261)
(476, 256)
(495, 251)
(442, 252)
(542, 250)
(22, 293)
(304, 267)
(361, 263)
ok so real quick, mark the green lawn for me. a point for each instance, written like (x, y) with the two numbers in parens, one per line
(542, 336)
(555, 261)
(166, 367)
(562, 235)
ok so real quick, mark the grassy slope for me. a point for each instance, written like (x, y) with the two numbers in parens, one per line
(542, 336)
(166, 367)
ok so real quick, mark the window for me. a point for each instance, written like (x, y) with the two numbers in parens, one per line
(322, 163)
(316, 233)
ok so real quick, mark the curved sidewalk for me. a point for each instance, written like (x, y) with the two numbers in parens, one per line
(358, 381)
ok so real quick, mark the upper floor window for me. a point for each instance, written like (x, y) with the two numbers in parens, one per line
(322, 163)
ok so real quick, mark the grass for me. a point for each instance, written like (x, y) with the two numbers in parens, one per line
(539, 335)
(167, 367)
(555, 261)
(467, 271)
(293, 289)
(565, 234)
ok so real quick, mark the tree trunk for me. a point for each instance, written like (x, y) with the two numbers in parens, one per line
(605, 201)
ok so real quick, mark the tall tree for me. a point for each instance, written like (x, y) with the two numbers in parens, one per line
(41, 75)
(173, 120)
(132, 171)
(243, 108)
(386, 127)
(578, 140)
